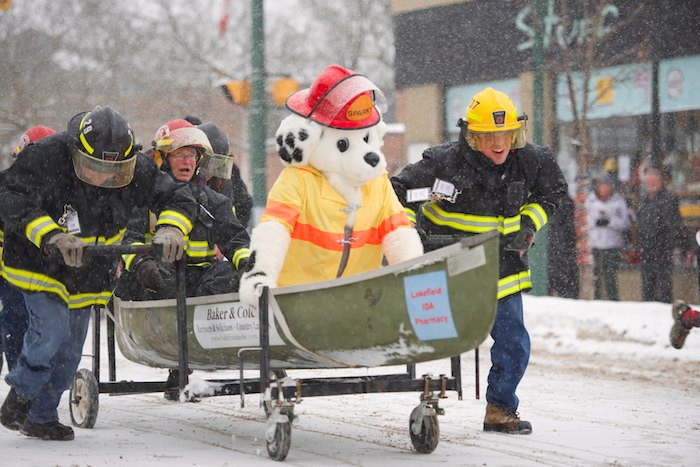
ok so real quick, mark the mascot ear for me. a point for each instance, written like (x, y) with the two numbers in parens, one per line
(296, 138)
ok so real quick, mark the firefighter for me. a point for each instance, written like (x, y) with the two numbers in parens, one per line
(222, 174)
(181, 150)
(67, 191)
(215, 230)
(491, 179)
(13, 315)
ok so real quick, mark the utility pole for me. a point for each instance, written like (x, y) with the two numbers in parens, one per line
(258, 110)
(538, 254)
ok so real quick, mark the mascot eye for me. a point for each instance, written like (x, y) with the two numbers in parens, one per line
(366, 138)
(343, 145)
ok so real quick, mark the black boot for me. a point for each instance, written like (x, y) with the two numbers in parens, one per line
(52, 431)
(14, 411)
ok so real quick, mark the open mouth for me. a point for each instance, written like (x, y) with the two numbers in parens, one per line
(184, 173)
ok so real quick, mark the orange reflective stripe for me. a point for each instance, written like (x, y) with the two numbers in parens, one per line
(281, 211)
(333, 241)
(309, 233)
(393, 222)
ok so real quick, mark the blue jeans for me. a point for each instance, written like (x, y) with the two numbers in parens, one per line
(13, 322)
(50, 355)
(510, 353)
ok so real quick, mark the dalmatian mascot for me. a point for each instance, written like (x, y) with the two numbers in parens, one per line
(332, 212)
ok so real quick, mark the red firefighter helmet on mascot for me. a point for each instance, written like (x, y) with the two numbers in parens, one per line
(340, 98)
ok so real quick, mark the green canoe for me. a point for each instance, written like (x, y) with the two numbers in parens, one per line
(438, 305)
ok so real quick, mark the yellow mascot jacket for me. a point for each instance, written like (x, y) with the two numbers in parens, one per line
(314, 213)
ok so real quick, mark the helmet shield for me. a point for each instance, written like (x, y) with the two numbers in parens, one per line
(103, 173)
(351, 103)
(517, 137)
(216, 165)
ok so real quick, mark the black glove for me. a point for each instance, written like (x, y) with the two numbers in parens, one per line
(71, 247)
(522, 240)
(602, 221)
(149, 275)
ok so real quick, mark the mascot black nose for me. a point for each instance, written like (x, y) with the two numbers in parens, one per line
(372, 159)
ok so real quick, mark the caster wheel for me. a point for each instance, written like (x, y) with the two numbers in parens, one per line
(425, 439)
(84, 399)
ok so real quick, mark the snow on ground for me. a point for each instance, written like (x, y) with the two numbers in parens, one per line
(604, 388)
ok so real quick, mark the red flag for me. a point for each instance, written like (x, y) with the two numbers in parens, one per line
(223, 22)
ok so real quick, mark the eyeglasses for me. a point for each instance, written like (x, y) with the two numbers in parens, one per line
(182, 157)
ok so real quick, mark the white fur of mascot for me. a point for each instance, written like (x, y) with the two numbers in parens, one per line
(332, 211)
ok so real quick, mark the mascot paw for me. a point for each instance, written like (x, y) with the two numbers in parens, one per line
(296, 138)
(251, 286)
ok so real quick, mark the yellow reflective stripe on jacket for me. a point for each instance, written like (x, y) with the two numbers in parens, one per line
(169, 217)
(514, 283)
(471, 222)
(536, 213)
(83, 300)
(113, 240)
(199, 249)
(38, 228)
(241, 253)
(35, 282)
(128, 259)
(411, 215)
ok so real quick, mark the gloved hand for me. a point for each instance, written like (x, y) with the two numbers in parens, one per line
(149, 275)
(173, 241)
(71, 247)
(522, 240)
(252, 280)
(602, 220)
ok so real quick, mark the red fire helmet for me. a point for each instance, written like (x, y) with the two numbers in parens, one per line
(32, 134)
(339, 98)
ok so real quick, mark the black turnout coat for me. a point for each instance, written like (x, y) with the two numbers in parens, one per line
(41, 187)
(525, 190)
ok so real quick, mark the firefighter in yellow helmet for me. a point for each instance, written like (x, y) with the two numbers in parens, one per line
(490, 179)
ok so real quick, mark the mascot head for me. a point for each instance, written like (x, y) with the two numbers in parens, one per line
(336, 127)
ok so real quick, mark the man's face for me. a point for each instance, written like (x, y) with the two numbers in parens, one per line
(605, 191)
(495, 145)
(183, 162)
(653, 181)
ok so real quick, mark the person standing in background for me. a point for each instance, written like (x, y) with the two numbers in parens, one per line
(659, 231)
(608, 219)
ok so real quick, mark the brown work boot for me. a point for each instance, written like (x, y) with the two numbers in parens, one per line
(505, 421)
(678, 331)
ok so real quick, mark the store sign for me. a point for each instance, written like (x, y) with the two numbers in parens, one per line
(555, 34)
(678, 84)
(457, 98)
(613, 91)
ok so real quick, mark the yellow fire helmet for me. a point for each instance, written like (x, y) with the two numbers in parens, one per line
(491, 111)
